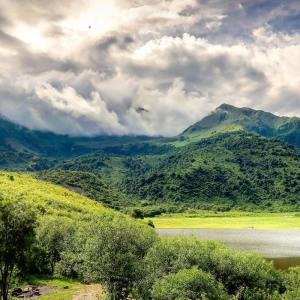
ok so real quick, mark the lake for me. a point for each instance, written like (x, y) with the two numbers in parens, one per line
(280, 246)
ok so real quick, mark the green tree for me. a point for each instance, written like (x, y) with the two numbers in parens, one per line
(188, 284)
(237, 272)
(114, 252)
(17, 224)
(54, 236)
(137, 213)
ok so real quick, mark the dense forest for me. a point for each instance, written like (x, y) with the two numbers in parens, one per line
(228, 171)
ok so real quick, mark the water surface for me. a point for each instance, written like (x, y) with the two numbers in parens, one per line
(280, 246)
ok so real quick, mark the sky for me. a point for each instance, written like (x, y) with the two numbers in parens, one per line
(138, 67)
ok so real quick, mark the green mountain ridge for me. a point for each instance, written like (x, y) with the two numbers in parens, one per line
(233, 170)
(235, 158)
(229, 118)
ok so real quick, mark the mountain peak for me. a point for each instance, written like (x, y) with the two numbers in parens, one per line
(226, 106)
(228, 118)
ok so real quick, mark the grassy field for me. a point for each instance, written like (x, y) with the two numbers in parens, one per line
(230, 220)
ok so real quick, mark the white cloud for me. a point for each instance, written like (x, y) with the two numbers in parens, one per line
(143, 67)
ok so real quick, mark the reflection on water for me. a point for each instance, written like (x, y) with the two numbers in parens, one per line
(280, 246)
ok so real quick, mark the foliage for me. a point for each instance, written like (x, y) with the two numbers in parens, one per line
(17, 223)
(113, 253)
(238, 273)
(87, 184)
(188, 284)
(292, 283)
(54, 236)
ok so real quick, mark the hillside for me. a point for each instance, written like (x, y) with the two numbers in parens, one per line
(18, 139)
(48, 198)
(227, 118)
(87, 184)
(233, 170)
(233, 158)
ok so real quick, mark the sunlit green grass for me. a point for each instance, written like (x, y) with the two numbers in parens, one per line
(48, 198)
(58, 284)
(257, 221)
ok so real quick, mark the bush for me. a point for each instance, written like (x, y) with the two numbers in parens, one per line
(292, 283)
(54, 236)
(110, 252)
(189, 284)
(237, 272)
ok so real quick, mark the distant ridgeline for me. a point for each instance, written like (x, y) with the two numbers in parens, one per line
(234, 158)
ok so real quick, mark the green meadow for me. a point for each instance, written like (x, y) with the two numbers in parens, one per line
(235, 220)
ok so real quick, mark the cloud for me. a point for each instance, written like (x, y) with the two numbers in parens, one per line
(144, 67)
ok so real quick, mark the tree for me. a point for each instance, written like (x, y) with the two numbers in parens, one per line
(189, 284)
(54, 235)
(137, 214)
(17, 225)
(239, 273)
(114, 252)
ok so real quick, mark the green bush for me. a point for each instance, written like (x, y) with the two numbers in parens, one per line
(110, 251)
(237, 272)
(188, 284)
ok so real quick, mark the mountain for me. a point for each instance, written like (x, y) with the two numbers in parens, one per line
(235, 158)
(32, 150)
(227, 118)
(233, 170)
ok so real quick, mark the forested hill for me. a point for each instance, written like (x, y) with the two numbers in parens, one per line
(233, 170)
(15, 138)
(229, 118)
(233, 158)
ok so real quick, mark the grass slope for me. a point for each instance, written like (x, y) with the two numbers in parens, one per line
(48, 198)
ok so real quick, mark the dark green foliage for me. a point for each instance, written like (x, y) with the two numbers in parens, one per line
(17, 223)
(15, 138)
(235, 170)
(137, 213)
(23, 161)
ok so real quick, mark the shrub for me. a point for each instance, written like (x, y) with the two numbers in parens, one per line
(189, 284)
(237, 272)
(113, 253)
